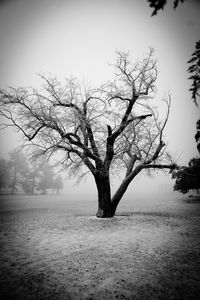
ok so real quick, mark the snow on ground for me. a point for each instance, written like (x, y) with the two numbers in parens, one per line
(54, 248)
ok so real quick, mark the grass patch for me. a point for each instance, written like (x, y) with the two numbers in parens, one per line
(47, 253)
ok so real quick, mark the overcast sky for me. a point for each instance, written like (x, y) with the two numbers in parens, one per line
(79, 37)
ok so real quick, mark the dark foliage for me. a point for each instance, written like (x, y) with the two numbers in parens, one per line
(187, 178)
(197, 135)
(194, 70)
(160, 4)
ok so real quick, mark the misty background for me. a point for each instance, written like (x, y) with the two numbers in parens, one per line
(79, 38)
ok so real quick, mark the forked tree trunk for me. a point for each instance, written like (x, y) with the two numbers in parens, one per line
(104, 197)
(107, 206)
(123, 187)
(119, 194)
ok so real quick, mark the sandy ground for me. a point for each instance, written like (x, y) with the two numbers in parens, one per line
(56, 249)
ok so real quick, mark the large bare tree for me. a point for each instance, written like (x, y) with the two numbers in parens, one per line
(103, 130)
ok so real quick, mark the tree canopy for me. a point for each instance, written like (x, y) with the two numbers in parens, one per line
(187, 177)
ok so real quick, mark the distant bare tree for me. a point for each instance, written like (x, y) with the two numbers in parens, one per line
(58, 184)
(4, 174)
(34, 175)
(46, 180)
(18, 163)
(103, 131)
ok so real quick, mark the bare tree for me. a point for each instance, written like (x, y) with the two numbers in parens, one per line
(58, 184)
(18, 163)
(103, 130)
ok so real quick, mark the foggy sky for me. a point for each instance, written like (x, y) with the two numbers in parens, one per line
(79, 37)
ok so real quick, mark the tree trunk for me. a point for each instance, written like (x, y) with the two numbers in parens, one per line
(119, 194)
(106, 206)
(14, 180)
(123, 187)
(104, 197)
(33, 185)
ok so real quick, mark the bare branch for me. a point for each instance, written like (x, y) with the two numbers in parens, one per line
(111, 128)
(160, 166)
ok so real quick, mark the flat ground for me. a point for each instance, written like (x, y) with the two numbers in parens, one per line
(54, 248)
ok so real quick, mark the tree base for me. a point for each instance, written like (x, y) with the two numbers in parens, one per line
(104, 214)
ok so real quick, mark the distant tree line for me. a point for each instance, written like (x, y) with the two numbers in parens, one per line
(17, 175)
